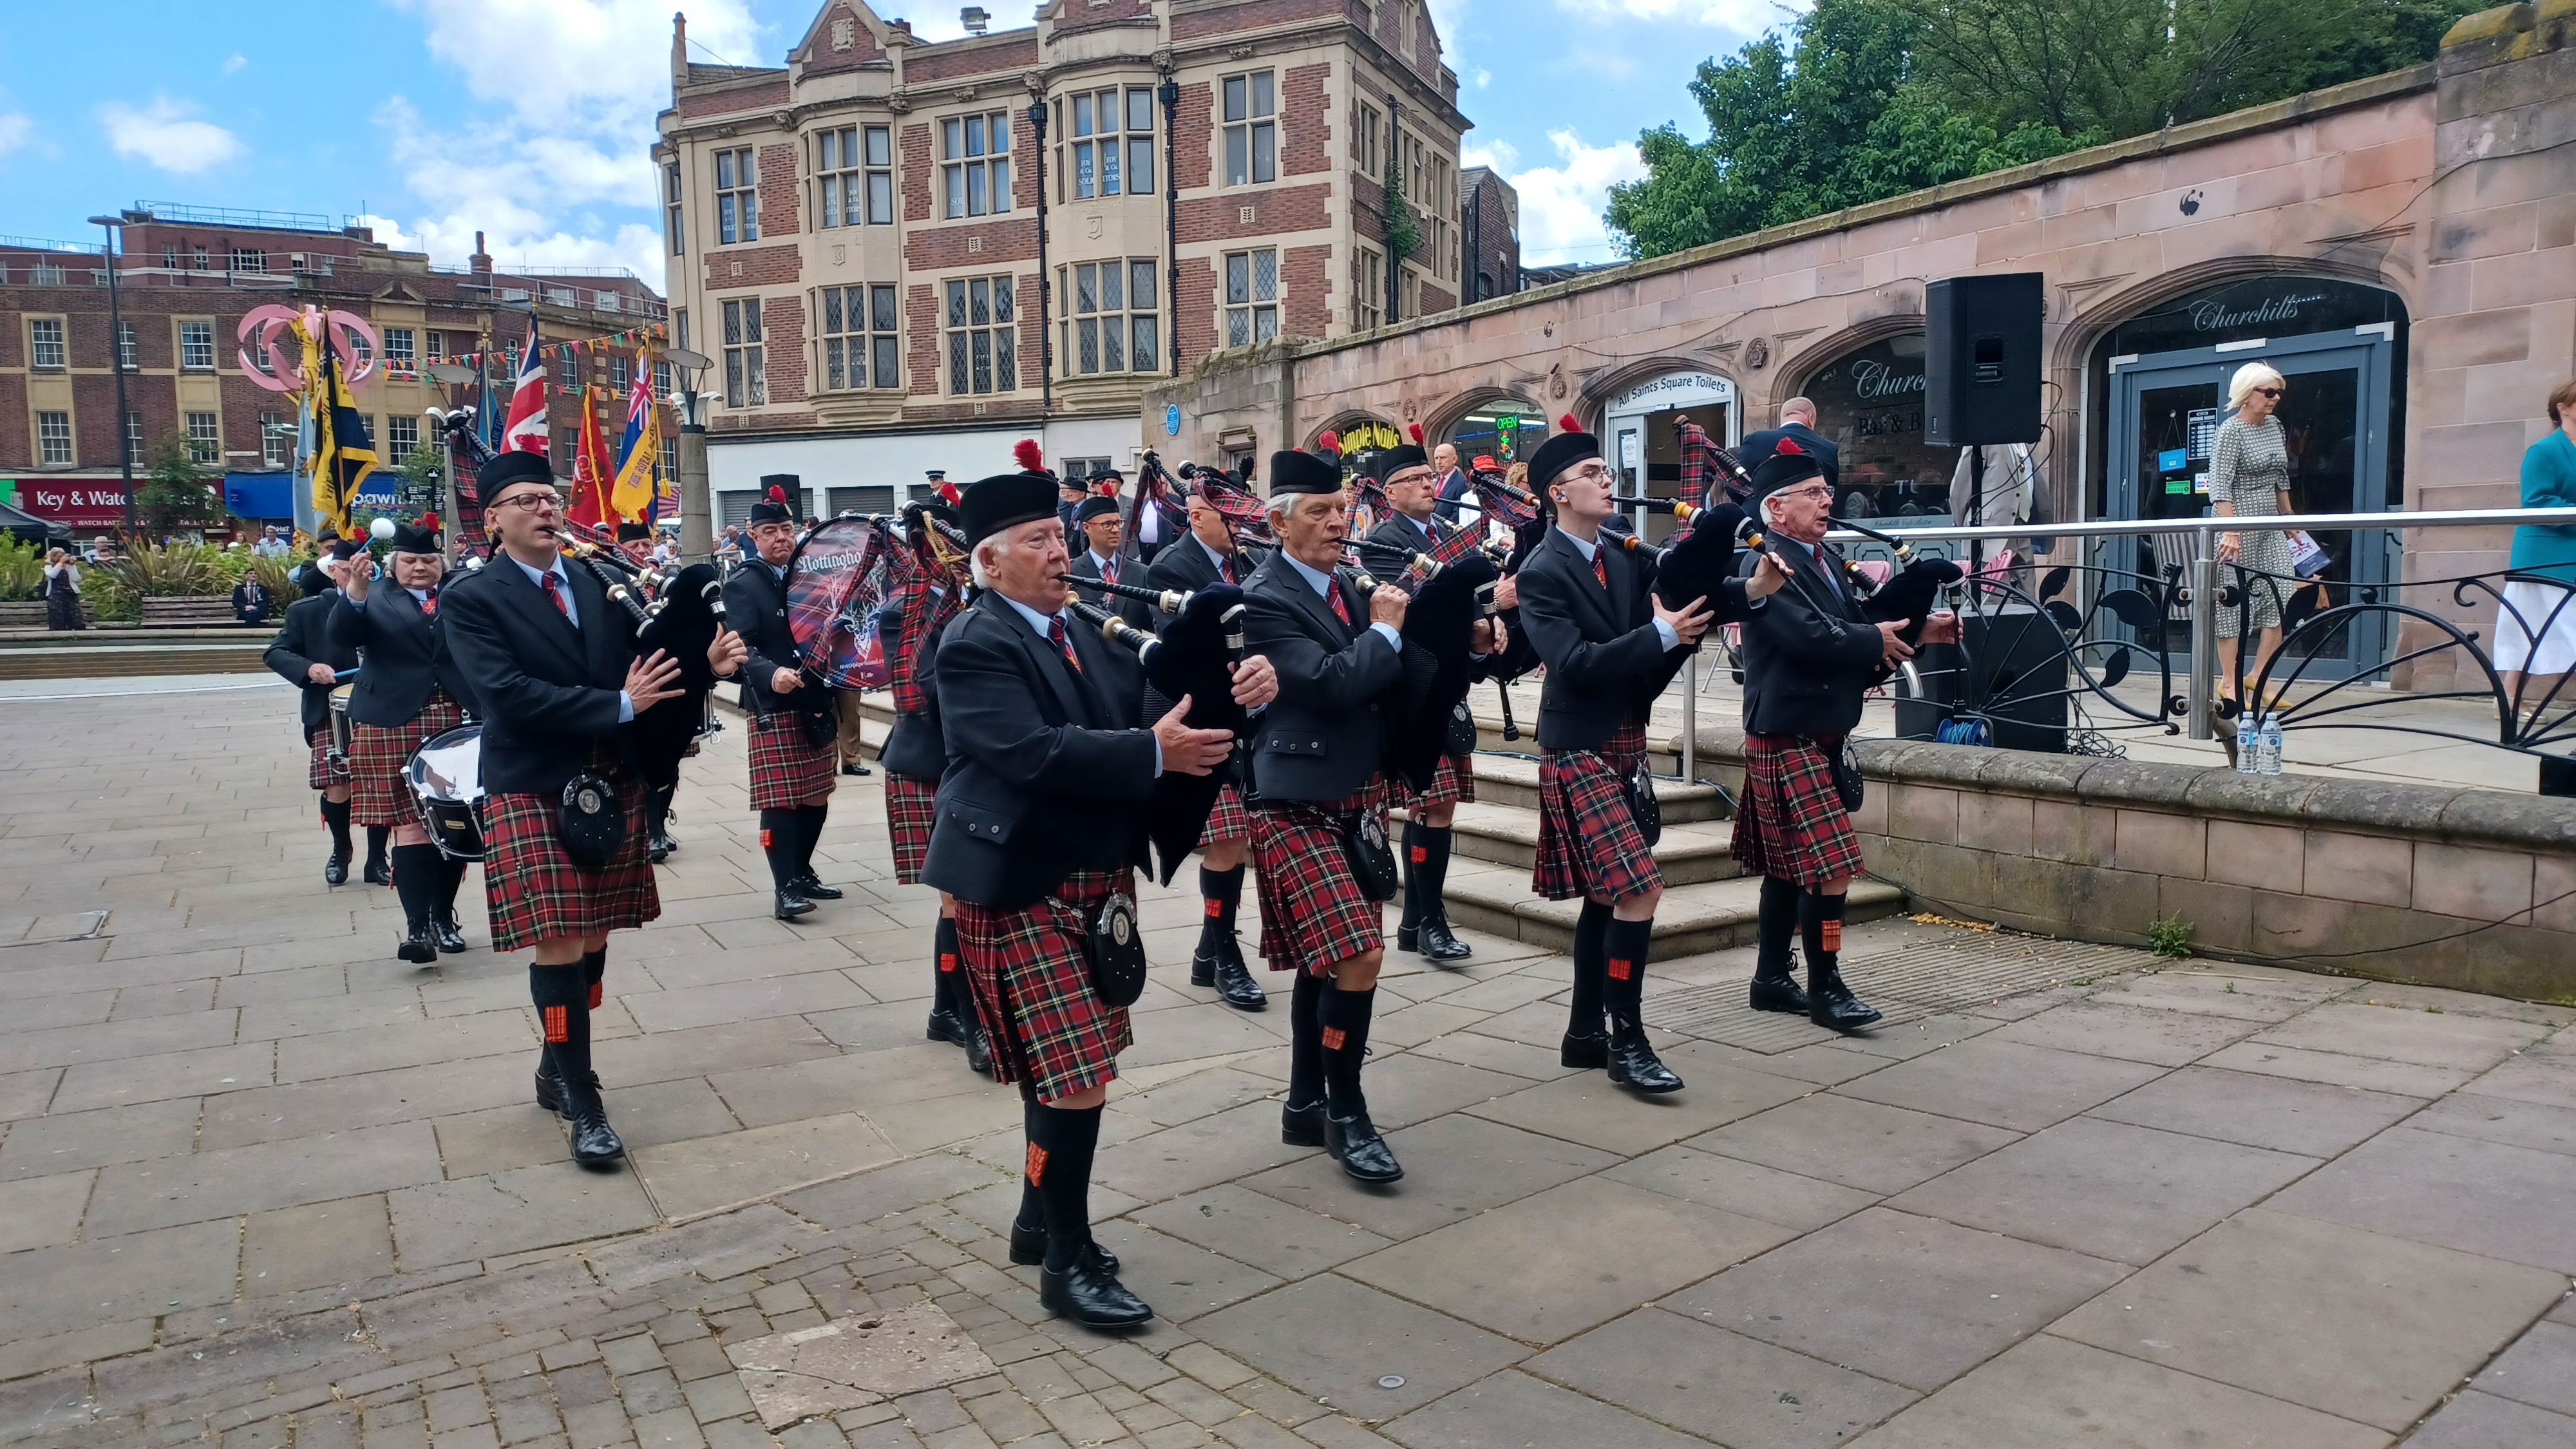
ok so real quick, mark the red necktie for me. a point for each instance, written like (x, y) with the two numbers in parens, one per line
(1341, 610)
(1600, 570)
(1225, 569)
(1109, 571)
(429, 606)
(554, 593)
(1056, 636)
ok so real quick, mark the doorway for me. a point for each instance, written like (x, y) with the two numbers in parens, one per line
(2165, 409)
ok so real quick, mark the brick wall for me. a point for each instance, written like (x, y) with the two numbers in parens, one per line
(1196, 325)
(781, 198)
(819, 56)
(764, 96)
(1194, 156)
(1306, 132)
(1276, 210)
(760, 266)
(1305, 277)
(920, 178)
(1004, 57)
(1252, 15)
(996, 242)
(1435, 299)
(782, 327)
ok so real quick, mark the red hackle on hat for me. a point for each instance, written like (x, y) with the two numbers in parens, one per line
(1567, 424)
(1030, 457)
(1330, 442)
(1415, 430)
(948, 492)
(429, 521)
(1485, 463)
(777, 494)
(1787, 445)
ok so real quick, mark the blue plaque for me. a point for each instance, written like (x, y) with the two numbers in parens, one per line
(1172, 419)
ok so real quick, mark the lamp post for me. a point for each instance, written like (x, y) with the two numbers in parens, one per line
(697, 509)
(116, 357)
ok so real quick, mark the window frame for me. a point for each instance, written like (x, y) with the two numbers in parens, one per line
(187, 327)
(970, 177)
(675, 221)
(999, 331)
(870, 351)
(60, 344)
(405, 358)
(738, 203)
(136, 447)
(274, 449)
(745, 348)
(45, 444)
(853, 173)
(1244, 127)
(205, 448)
(1103, 327)
(1252, 305)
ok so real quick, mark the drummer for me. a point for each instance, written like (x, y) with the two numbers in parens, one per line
(409, 691)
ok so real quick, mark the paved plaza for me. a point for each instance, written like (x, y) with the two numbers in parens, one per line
(261, 1184)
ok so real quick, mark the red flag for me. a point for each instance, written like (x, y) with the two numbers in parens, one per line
(592, 474)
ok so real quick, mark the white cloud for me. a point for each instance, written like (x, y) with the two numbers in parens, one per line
(165, 134)
(15, 131)
(1561, 205)
(1484, 77)
(1745, 17)
(234, 62)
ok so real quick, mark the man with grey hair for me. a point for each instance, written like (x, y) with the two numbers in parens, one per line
(1797, 420)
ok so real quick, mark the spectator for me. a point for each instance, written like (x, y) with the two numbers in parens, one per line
(2540, 598)
(62, 591)
(102, 550)
(1456, 489)
(250, 601)
(2249, 477)
(1797, 420)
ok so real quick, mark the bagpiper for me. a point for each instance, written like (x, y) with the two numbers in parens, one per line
(795, 735)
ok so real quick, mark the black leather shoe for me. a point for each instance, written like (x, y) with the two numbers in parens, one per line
(1585, 1051)
(1202, 967)
(1236, 988)
(1302, 1126)
(335, 871)
(1779, 993)
(1356, 1145)
(378, 873)
(1438, 945)
(660, 848)
(810, 888)
(861, 771)
(1408, 938)
(594, 1142)
(1028, 1250)
(789, 906)
(1831, 1003)
(450, 939)
(419, 948)
(1634, 1065)
(944, 1026)
(550, 1094)
(979, 1050)
(1091, 1297)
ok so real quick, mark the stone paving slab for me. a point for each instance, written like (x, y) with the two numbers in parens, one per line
(263, 1185)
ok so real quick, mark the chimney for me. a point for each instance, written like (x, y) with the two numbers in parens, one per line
(679, 50)
(480, 261)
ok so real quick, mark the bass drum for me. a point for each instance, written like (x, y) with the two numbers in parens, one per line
(446, 777)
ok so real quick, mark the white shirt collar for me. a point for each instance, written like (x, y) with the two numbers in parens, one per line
(1043, 623)
(1321, 583)
(1585, 549)
(1099, 561)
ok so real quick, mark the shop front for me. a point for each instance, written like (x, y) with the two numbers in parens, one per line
(1870, 402)
(1638, 425)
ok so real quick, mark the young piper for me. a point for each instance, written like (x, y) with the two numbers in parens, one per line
(1589, 608)
(303, 653)
(795, 736)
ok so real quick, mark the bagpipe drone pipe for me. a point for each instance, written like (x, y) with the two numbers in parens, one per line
(1452, 589)
(1192, 657)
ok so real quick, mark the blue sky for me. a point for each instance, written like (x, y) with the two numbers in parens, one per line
(530, 119)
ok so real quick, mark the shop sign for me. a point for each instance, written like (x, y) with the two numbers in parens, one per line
(2213, 314)
(76, 502)
(1673, 389)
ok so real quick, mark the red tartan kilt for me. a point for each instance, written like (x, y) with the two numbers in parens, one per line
(1588, 841)
(377, 794)
(322, 774)
(535, 892)
(911, 806)
(1312, 911)
(1455, 784)
(786, 771)
(1032, 984)
(1227, 821)
(1790, 822)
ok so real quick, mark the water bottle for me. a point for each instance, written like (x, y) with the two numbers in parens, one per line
(2245, 743)
(2269, 749)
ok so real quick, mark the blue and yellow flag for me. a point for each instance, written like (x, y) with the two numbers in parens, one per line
(343, 454)
(639, 454)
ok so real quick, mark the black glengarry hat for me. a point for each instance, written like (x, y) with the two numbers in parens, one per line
(1098, 505)
(1564, 448)
(1788, 466)
(1297, 472)
(421, 537)
(773, 506)
(1004, 501)
(504, 470)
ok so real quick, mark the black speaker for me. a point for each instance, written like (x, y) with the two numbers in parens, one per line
(2009, 669)
(1981, 360)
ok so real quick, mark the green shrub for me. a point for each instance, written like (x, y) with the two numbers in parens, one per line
(173, 571)
(22, 571)
(2169, 937)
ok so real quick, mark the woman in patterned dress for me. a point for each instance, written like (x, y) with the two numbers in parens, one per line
(2249, 477)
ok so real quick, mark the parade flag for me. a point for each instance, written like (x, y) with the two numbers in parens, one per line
(526, 431)
(640, 453)
(343, 454)
(590, 473)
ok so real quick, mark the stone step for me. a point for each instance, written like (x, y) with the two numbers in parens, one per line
(1512, 780)
(1690, 851)
(128, 660)
(1708, 916)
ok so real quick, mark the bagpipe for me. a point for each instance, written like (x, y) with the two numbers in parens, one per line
(1910, 594)
(1699, 557)
(1452, 589)
(1704, 457)
(1193, 657)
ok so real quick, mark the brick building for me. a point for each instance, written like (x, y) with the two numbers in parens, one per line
(855, 238)
(1489, 229)
(186, 278)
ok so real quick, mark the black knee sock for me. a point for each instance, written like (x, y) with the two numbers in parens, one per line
(1779, 926)
(778, 832)
(811, 818)
(1623, 985)
(1820, 924)
(1345, 1041)
(1431, 868)
(1415, 858)
(376, 837)
(1032, 1214)
(1061, 1143)
(594, 973)
(419, 876)
(1591, 943)
(453, 879)
(1220, 893)
(1306, 1040)
(657, 808)
(562, 996)
(335, 818)
(949, 991)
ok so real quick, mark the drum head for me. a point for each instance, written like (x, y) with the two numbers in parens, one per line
(448, 768)
(340, 695)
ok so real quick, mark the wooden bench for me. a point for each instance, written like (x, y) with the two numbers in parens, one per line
(207, 609)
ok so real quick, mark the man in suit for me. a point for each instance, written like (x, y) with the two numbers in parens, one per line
(1414, 525)
(551, 663)
(1207, 555)
(1040, 824)
(1451, 485)
(1097, 519)
(303, 654)
(795, 733)
(410, 691)
(1610, 645)
(250, 601)
(1069, 495)
(1809, 655)
(1798, 421)
(1318, 761)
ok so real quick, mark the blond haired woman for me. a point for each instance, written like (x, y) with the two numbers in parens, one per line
(62, 591)
(2249, 477)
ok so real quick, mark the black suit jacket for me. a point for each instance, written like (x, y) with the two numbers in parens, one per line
(406, 654)
(1761, 445)
(1455, 488)
(548, 691)
(303, 641)
(250, 601)
(1047, 773)
(1606, 660)
(1325, 735)
(916, 745)
(1403, 532)
(1809, 651)
(1186, 568)
(755, 603)
(1134, 611)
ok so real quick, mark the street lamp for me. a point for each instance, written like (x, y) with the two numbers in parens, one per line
(697, 510)
(116, 355)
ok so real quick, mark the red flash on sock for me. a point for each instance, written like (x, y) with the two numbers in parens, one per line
(1621, 969)
(764, 839)
(1832, 934)
(1037, 1164)
(1333, 1038)
(947, 960)
(558, 1023)
(598, 993)
(1421, 853)
(1211, 907)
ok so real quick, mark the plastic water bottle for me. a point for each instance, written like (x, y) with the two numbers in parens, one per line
(2245, 743)
(2268, 746)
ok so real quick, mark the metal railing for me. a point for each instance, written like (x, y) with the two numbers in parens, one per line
(2194, 590)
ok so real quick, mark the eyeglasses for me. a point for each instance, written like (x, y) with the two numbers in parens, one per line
(2273, 393)
(1824, 493)
(1593, 472)
(532, 502)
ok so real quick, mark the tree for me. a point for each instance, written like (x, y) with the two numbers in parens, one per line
(419, 491)
(1402, 234)
(176, 494)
